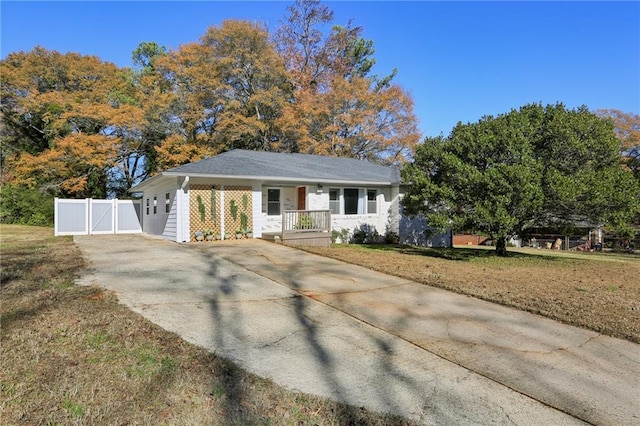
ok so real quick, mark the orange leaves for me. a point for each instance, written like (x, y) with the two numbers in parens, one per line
(337, 108)
(96, 151)
(228, 91)
(352, 119)
(626, 126)
(176, 150)
(77, 124)
(67, 116)
(69, 164)
(627, 129)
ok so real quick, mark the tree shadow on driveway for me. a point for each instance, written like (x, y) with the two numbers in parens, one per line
(301, 343)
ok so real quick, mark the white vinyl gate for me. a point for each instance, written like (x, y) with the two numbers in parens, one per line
(89, 216)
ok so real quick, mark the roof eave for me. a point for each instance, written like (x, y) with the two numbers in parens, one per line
(281, 179)
(145, 183)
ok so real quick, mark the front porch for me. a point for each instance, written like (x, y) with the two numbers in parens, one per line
(303, 228)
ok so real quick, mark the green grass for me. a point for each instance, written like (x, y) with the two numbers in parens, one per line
(472, 255)
(74, 409)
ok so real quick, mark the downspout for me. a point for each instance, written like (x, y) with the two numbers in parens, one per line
(186, 235)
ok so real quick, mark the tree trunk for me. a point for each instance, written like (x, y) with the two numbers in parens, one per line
(501, 246)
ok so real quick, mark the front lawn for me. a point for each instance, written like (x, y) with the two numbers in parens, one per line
(600, 292)
(74, 355)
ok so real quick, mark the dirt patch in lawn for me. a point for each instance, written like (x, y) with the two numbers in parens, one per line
(600, 292)
(74, 355)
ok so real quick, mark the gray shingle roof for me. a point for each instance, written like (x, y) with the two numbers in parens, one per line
(275, 166)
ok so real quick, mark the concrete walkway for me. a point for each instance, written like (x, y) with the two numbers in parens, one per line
(325, 327)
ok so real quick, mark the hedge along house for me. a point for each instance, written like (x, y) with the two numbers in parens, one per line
(242, 190)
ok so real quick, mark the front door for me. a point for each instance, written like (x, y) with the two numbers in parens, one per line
(302, 198)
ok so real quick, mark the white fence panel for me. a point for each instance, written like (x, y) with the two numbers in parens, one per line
(128, 217)
(71, 217)
(89, 216)
(102, 216)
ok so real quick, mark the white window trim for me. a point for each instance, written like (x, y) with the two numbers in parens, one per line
(375, 200)
(362, 196)
(340, 203)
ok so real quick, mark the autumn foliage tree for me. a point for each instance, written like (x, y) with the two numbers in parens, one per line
(338, 108)
(229, 89)
(76, 126)
(627, 129)
(298, 91)
(66, 117)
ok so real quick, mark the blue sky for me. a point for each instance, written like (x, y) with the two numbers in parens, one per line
(459, 60)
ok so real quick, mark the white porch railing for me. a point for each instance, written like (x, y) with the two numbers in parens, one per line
(302, 221)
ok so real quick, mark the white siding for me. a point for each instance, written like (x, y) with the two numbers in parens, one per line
(379, 221)
(257, 209)
(161, 223)
(317, 200)
(175, 224)
(170, 230)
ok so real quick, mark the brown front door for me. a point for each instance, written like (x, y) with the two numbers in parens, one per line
(302, 198)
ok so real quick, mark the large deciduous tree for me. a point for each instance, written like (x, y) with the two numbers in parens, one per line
(530, 167)
(73, 125)
(66, 117)
(228, 91)
(338, 107)
(301, 92)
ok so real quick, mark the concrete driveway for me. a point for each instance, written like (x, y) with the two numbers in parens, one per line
(321, 326)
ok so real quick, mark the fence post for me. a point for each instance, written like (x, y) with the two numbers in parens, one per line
(114, 211)
(55, 216)
(87, 220)
(223, 225)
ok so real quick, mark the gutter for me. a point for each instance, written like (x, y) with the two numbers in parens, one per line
(282, 179)
(185, 182)
(265, 179)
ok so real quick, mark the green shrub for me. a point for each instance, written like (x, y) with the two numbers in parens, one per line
(234, 209)
(22, 205)
(365, 234)
(304, 222)
(244, 220)
(391, 237)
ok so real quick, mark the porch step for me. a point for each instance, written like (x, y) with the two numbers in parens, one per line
(318, 239)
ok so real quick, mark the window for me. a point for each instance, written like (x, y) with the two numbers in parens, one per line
(351, 200)
(372, 201)
(147, 207)
(155, 204)
(167, 202)
(334, 200)
(273, 202)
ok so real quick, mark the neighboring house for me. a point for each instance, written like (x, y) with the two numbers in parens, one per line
(251, 189)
